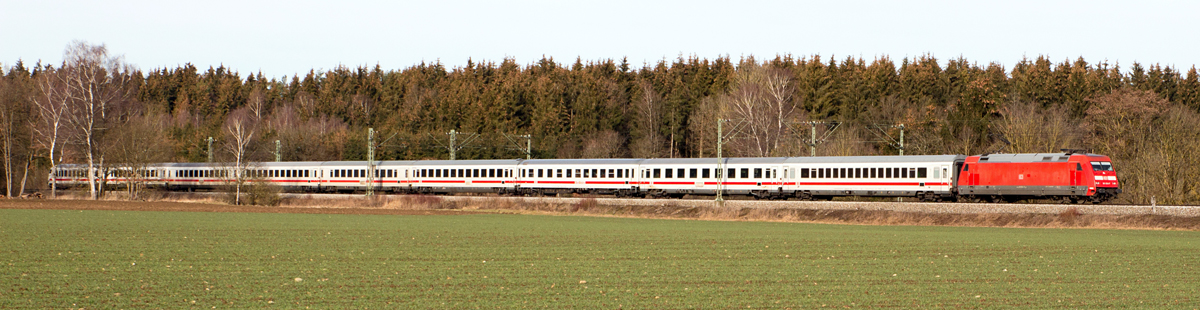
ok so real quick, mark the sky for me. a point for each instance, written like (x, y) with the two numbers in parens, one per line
(285, 38)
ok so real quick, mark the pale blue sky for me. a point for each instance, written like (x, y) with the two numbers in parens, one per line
(287, 37)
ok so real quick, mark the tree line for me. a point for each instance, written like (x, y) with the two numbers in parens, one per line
(96, 109)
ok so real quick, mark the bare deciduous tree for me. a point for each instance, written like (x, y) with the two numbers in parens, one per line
(648, 107)
(605, 144)
(239, 129)
(1029, 128)
(133, 146)
(257, 103)
(51, 105)
(365, 106)
(702, 126)
(95, 85)
(761, 97)
(13, 130)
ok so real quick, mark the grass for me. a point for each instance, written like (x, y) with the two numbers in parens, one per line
(124, 259)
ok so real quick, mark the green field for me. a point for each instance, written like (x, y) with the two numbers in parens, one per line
(118, 259)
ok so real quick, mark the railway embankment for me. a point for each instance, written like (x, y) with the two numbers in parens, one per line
(919, 207)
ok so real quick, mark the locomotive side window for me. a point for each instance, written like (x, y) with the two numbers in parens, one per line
(1078, 167)
(966, 167)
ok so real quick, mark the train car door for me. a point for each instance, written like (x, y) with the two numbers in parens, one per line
(777, 175)
(969, 177)
(1076, 174)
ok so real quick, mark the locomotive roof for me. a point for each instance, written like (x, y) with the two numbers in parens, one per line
(1027, 157)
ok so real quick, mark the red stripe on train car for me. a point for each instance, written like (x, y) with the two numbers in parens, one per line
(605, 182)
(443, 181)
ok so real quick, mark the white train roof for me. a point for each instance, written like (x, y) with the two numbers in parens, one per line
(473, 162)
(811, 160)
(594, 161)
(617, 161)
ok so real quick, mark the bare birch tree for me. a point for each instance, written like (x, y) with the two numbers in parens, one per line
(240, 130)
(257, 103)
(762, 98)
(51, 105)
(95, 84)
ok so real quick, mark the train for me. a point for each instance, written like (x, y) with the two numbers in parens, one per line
(1069, 177)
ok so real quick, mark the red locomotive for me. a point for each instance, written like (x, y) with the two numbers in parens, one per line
(1069, 177)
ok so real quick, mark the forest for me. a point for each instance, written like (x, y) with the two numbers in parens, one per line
(96, 109)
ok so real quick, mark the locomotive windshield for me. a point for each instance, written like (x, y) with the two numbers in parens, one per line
(1101, 166)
